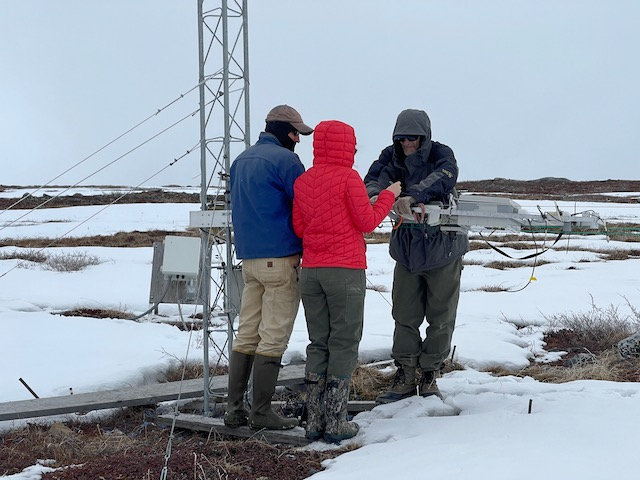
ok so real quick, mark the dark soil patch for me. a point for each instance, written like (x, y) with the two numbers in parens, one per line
(551, 188)
(97, 313)
(594, 349)
(130, 446)
(48, 201)
(120, 239)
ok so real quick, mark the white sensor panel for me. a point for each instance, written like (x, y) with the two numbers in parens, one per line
(181, 256)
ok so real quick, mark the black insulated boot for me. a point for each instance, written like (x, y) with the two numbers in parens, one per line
(428, 385)
(404, 385)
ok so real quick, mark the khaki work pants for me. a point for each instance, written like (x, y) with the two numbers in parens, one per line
(270, 301)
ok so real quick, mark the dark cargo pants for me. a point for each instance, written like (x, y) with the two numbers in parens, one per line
(333, 300)
(432, 294)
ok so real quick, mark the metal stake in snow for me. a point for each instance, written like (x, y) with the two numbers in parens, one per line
(28, 388)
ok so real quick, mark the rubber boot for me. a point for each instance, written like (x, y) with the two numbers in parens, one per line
(404, 385)
(265, 376)
(337, 398)
(239, 371)
(316, 421)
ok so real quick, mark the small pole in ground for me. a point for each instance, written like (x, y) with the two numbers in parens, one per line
(28, 388)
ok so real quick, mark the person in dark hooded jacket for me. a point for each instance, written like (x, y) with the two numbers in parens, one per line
(426, 279)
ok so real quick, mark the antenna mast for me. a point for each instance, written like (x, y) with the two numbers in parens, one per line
(223, 58)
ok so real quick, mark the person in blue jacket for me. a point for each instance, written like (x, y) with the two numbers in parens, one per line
(262, 179)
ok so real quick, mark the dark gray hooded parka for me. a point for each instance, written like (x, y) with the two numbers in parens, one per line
(429, 174)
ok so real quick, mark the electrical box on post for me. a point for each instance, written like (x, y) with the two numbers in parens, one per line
(181, 257)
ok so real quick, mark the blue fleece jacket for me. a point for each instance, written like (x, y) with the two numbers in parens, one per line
(262, 179)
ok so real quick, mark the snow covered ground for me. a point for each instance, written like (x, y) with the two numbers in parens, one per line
(482, 429)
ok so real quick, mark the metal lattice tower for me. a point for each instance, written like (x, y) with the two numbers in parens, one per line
(224, 131)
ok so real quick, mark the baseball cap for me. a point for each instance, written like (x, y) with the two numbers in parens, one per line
(285, 113)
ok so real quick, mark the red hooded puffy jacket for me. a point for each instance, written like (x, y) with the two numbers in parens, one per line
(331, 209)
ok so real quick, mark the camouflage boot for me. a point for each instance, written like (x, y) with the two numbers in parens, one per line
(337, 397)
(265, 376)
(316, 388)
(239, 371)
(428, 385)
(404, 385)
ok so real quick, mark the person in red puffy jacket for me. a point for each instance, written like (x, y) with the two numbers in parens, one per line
(331, 211)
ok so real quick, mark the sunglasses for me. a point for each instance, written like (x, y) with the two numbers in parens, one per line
(295, 133)
(410, 138)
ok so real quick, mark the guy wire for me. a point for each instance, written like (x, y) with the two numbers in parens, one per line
(157, 112)
(104, 167)
(173, 162)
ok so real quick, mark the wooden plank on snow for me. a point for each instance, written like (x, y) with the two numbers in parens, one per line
(127, 397)
(201, 423)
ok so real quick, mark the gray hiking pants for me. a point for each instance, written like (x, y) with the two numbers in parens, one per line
(333, 300)
(432, 294)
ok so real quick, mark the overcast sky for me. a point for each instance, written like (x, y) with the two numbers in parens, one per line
(520, 89)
